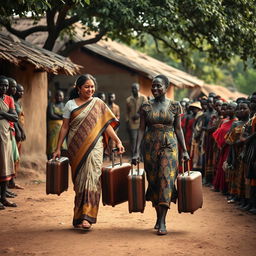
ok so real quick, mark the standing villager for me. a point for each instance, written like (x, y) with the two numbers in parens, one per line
(133, 104)
(89, 123)
(249, 138)
(16, 156)
(55, 112)
(160, 127)
(209, 128)
(113, 106)
(7, 115)
(234, 162)
(219, 181)
(196, 143)
(116, 111)
(19, 126)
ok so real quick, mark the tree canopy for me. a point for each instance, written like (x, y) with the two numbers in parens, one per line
(219, 28)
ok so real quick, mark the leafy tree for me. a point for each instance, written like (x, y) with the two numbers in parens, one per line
(220, 28)
(246, 81)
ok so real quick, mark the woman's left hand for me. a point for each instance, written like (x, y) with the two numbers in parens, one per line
(120, 147)
(185, 156)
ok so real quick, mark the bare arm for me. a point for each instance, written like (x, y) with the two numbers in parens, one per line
(111, 133)
(11, 115)
(180, 137)
(63, 133)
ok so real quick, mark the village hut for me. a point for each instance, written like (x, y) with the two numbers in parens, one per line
(115, 66)
(223, 92)
(29, 65)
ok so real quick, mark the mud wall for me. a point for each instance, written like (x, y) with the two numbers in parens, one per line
(34, 103)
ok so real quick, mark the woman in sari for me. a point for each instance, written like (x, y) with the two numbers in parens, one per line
(160, 127)
(89, 123)
(7, 115)
(219, 181)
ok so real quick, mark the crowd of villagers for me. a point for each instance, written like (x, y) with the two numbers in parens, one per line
(11, 137)
(221, 139)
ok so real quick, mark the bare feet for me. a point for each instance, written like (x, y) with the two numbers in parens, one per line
(86, 224)
(15, 186)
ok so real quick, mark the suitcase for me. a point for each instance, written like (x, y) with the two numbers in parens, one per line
(136, 190)
(190, 192)
(57, 175)
(114, 182)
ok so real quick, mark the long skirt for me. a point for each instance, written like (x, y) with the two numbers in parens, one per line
(87, 186)
(161, 166)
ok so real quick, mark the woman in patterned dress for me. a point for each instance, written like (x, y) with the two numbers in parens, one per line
(159, 130)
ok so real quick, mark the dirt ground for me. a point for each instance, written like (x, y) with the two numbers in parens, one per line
(41, 225)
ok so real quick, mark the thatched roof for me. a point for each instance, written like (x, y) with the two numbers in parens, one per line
(224, 92)
(119, 54)
(18, 52)
(142, 63)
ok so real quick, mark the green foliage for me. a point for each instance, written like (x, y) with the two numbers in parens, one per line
(246, 81)
(219, 28)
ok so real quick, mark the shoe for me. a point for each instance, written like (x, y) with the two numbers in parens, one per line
(2, 207)
(8, 203)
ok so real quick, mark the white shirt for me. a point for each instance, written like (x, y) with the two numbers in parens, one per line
(69, 107)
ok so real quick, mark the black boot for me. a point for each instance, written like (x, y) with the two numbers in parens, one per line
(253, 200)
(162, 227)
(158, 218)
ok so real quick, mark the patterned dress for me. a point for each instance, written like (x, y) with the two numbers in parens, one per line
(160, 153)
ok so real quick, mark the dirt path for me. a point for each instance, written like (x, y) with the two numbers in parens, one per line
(41, 225)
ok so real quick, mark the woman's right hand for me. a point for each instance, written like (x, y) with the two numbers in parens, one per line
(56, 154)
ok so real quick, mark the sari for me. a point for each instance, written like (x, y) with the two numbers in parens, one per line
(86, 141)
(6, 150)
(219, 181)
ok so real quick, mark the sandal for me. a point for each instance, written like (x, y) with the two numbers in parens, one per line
(86, 224)
(79, 226)
(8, 204)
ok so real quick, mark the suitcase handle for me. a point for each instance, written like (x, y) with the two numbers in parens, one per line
(113, 157)
(138, 167)
(188, 165)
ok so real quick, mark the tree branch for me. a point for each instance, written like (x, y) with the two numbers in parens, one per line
(76, 45)
(24, 33)
(179, 53)
(62, 15)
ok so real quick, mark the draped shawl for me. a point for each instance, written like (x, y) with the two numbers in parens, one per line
(87, 123)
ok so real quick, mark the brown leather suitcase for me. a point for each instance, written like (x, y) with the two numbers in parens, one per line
(136, 190)
(114, 183)
(190, 192)
(57, 176)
